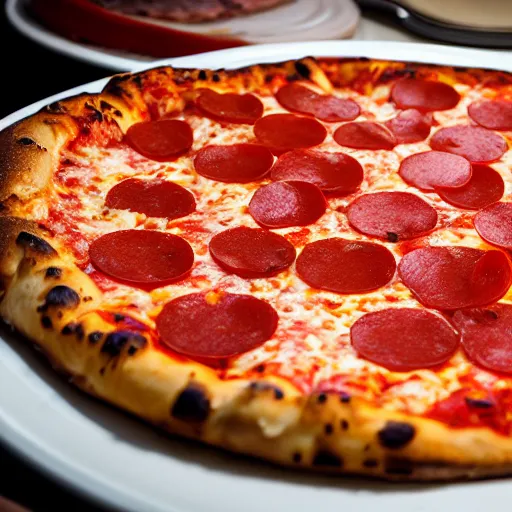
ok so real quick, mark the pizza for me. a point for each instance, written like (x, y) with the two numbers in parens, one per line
(307, 262)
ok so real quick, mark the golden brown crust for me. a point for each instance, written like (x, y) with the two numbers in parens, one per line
(55, 304)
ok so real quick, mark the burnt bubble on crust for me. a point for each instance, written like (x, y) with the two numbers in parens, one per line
(326, 458)
(74, 328)
(33, 242)
(264, 386)
(27, 141)
(94, 337)
(117, 341)
(302, 69)
(53, 273)
(396, 434)
(61, 297)
(192, 404)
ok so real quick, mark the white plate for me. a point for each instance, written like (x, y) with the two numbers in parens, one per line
(123, 463)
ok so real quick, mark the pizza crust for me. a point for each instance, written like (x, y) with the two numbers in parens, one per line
(53, 303)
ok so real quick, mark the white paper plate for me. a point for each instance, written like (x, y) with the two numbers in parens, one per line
(123, 463)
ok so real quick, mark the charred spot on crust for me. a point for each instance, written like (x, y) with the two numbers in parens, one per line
(392, 237)
(202, 75)
(328, 429)
(327, 459)
(56, 107)
(479, 403)
(297, 457)
(27, 141)
(46, 322)
(94, 337)
(370, 463)
(322, 398)
(117, 341)
(60, 296)
(216, 77)
(260, 368)
(96, 115)
(192, 404)
(344, 398)
(33, 242)
(105, 105)
(263, 386)
(399, 466)
(118, 317)
(396, 434)
(74, 328)
(344, 424)
(53, 273)
(118, 113)
(137, 80)
(302, 69)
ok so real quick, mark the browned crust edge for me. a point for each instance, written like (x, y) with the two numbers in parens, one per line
(52, 302)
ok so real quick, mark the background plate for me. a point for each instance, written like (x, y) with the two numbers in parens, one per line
(123, 463)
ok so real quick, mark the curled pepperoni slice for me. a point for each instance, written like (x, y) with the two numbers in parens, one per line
(435, 169)
(392, 216)
(424, 95)
(142, 257)
(485, 336)
(229, 107)
(345, 266)
(492, 114)
(409, 126)
(405, 339)
(154, 198)
(162, 140)
(494, 224)
(238, 163)
(484, 188)
(455, 277)
(287, 203)
(334, 173)
(472, 142)
(283, 132)
(365, 135)
(216, 324)
(331, 109)
(252, 252)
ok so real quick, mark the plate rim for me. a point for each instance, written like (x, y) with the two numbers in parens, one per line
(15, 436)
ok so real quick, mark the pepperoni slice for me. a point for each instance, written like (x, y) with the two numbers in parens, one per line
(492, 114)
(142, 257)
(230, 107)
(455, 277)
(472, 142)
(494, 224)
(334, 173)
(392, 216)
(409, 126)
(424, 95)
(345, 266)
(163, 140)
(287, 203)
(435, 169)
(154, 198)
(365, 135)
(404, 339)
(216, 324)
(331, 109)
(283, 132)
(238, 163)
(486, 336)
(252, 252)
(484, 188)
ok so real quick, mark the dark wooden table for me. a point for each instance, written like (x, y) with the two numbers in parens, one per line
(31, 73)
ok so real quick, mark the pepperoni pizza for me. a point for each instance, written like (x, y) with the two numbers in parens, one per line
(308, 262)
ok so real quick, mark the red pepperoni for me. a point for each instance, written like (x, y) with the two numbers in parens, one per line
(229, 107)
(238, 163)
(345, 266)
(405, 339)
(393, 216)
(287, 203)
(365, 135)
(455, 277)
(486, 336)
(154, 198)
(283, 132)
(485, 187)
(435, 169)
(162, 141)
(334, 173)
(492, 114)
(472, 142)
(494, 224)
(424, 95)
(409, 126)
(142, 257)
(331, 109)
(252, 252)
(216, 324)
